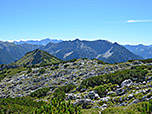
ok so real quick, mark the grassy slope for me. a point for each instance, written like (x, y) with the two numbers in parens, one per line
(132, 109)
(38, 57)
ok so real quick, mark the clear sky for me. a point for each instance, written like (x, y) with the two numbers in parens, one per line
(122, 21)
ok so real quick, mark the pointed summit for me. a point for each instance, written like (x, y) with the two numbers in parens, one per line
(37, 57)
(76, 40)
(115, 43)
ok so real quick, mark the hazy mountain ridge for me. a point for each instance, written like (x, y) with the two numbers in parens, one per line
(67, 50)
(142, 50)
(38, 42)
(10, 52)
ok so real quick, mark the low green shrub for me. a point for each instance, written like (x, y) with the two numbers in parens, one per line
(40, 92)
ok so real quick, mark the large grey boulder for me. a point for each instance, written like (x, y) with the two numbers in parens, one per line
(93, 95)
(120, 91)
(104, 105)
(148, 78)
(123, 104)
(144, 98)
(126, 83)
(137, 62)
(70, 96)
(130, 96)
(83, 90)
(111, 93)
(105, 99)
(144, 82)
(78, 96)
(140, 91)
(96, 96)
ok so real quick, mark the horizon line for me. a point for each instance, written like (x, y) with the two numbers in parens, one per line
(121, 43)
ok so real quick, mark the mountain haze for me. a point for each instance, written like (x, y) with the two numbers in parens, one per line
(37, 42)
(142, 50)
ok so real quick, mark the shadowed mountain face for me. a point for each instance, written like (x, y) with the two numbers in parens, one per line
(99, 49)
(10, 52)
(37, 57)
(142, 50)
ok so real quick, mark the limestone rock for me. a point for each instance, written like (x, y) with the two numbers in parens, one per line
(93, 95)
(105, 99)
(120, 91)
(126, 83)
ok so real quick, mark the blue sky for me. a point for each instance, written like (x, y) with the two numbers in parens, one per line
(122, 21)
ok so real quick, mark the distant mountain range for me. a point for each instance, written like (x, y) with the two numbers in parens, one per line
(37, 42)
(99, 49)
(66, 50)
(10, 52)
(142, 50)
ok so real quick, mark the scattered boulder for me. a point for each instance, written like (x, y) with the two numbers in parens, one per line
(130, 96)
(83, 90)
(126, 83)
(97, 96)
(133, 102)
(93, 95)
(105, 99)
(120, 99)
(120, 91)
(148, 78)
(111, 93)
(71, 96)
(123, 104)
(137, 62)
(78, 96)
(144, 98)
(104, 105)
(144, 82)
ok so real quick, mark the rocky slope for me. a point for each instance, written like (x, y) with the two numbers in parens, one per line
(124, 91)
